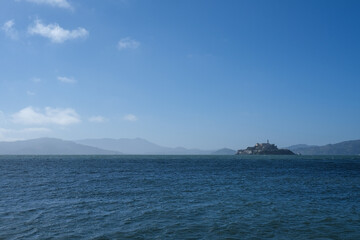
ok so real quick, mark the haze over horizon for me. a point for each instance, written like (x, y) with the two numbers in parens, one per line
(196, 74)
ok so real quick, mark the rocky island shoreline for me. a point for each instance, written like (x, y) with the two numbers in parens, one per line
(264, 149)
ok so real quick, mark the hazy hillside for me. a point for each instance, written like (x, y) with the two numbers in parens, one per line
(137, 146)
(124, 145)
(342, 148)
(299, 146)
(44, 146)
(224, 151)
(49, 146)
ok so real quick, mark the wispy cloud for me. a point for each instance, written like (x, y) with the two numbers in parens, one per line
(56, 33)
(53, 3)
(128, 43)
(130, 117)
(58, 116)
(2, 118)
(67, 79)
(30, 93)
(35, 130)
(9, 29)
(7, 134)
(97, 119)
(24, 130)
(36, 80)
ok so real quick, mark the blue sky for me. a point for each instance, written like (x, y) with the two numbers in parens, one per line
(202, 74)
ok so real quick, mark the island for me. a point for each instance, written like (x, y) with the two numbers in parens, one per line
(264, 149)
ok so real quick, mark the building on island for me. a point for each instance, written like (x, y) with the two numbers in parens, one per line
(264, 149)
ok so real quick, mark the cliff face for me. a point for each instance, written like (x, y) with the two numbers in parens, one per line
(264, 149)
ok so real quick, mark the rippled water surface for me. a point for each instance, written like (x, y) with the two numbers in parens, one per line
(179, 197)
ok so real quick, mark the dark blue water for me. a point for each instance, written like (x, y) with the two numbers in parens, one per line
(182, 197)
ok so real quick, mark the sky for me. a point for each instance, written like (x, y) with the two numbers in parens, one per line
(197, 74)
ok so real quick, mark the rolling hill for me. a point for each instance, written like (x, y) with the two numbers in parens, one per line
(49, 146)
(342, 148)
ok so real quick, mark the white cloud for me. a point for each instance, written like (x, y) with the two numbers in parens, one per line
(9, 29)
(56, 33)
(66, 80)
(130, 117)
(97, 119)
(128, 43)
(53, 3)
(59, 116)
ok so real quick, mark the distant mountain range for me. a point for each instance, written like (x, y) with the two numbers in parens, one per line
(224, 151)
(107, 146)
(299, 146)
(139, 146)
(342, 148)
(50, 146)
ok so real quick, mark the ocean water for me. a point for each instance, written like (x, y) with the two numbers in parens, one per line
(179, 197)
